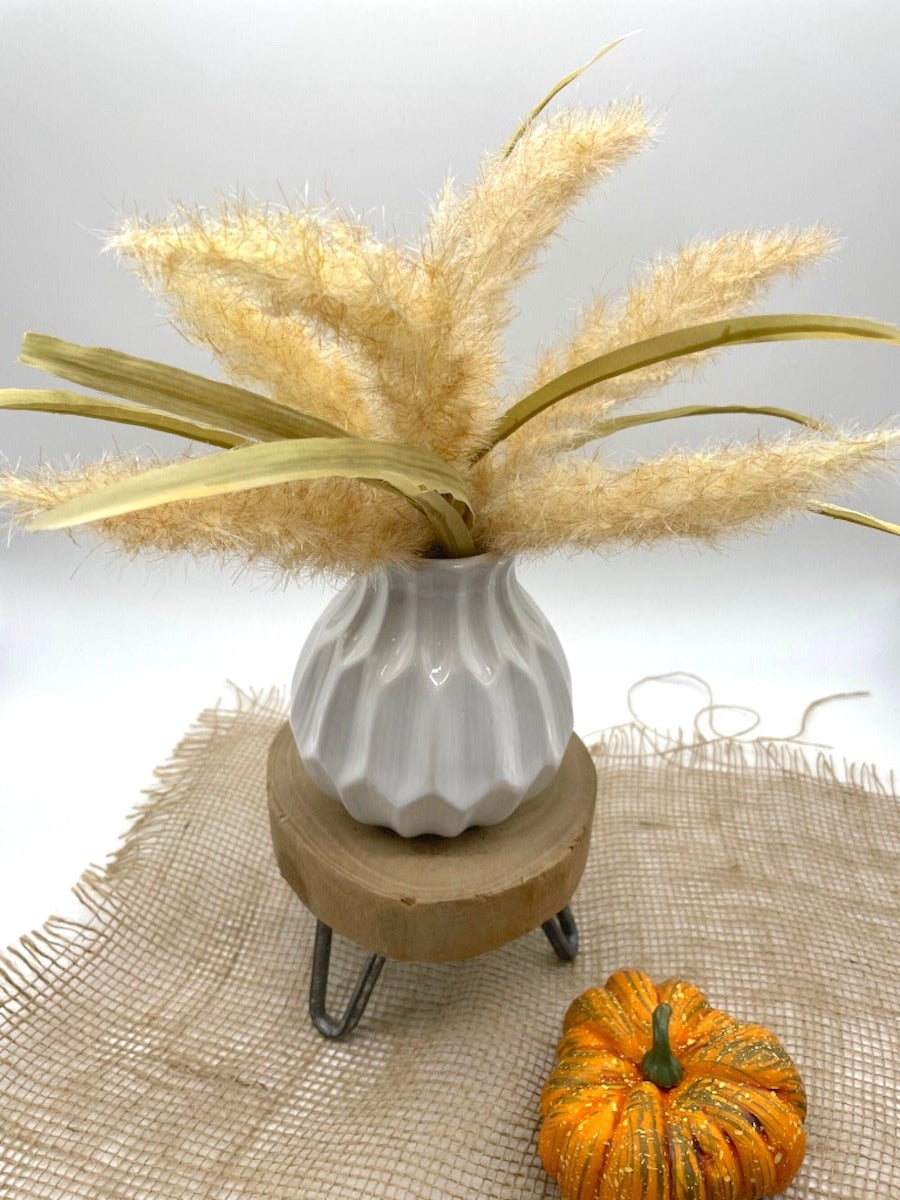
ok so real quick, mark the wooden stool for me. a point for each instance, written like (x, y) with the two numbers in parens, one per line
(427, 898)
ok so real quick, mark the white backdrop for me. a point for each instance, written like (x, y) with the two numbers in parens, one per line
(775, 112)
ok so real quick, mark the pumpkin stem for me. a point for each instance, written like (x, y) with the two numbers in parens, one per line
(659, 1064)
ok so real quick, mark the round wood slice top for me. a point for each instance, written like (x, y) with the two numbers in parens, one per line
(430, 898)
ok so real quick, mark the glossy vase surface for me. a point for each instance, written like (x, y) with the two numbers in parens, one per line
(434, 697)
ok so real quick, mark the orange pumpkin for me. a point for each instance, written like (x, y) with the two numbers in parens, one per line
(657, 1096)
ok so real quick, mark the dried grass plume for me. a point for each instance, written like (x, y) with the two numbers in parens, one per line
(403, 344)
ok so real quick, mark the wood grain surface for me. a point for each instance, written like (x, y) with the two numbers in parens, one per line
(430, 898)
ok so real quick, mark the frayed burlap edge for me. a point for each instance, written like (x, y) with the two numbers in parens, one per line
(22, 963)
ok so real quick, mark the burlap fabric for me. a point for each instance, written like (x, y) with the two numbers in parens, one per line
(161, 1049)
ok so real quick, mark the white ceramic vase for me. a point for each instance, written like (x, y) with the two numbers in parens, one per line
(434, 697)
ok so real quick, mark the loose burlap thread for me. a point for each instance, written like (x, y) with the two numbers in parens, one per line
(160, 1048)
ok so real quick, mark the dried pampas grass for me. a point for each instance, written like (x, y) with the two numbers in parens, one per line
(703, 495)
(709, 279)
(288, 530)
(284, 355)
(345, 334)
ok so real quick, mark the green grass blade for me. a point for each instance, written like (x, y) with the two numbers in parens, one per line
(604, 429)
(417, 473)
(449, 526)
(681, 342)
(168, 389)
(856, 518)
(78, 405)
(555, 90)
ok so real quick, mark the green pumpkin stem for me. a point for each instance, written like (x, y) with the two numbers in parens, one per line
(659, 1064)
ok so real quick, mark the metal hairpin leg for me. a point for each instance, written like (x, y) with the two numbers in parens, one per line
(562, 934)
(318, 985)
(561, 931)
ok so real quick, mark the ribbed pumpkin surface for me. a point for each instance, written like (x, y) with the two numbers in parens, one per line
(730, 1129)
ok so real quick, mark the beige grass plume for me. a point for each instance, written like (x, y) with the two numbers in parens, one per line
(283, 355)
(709, 279)
(288, 531)
(365, 422)
(704, 495)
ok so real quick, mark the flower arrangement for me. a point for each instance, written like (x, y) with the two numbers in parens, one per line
(379, 434)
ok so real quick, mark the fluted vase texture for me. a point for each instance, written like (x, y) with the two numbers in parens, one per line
(434, 697)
